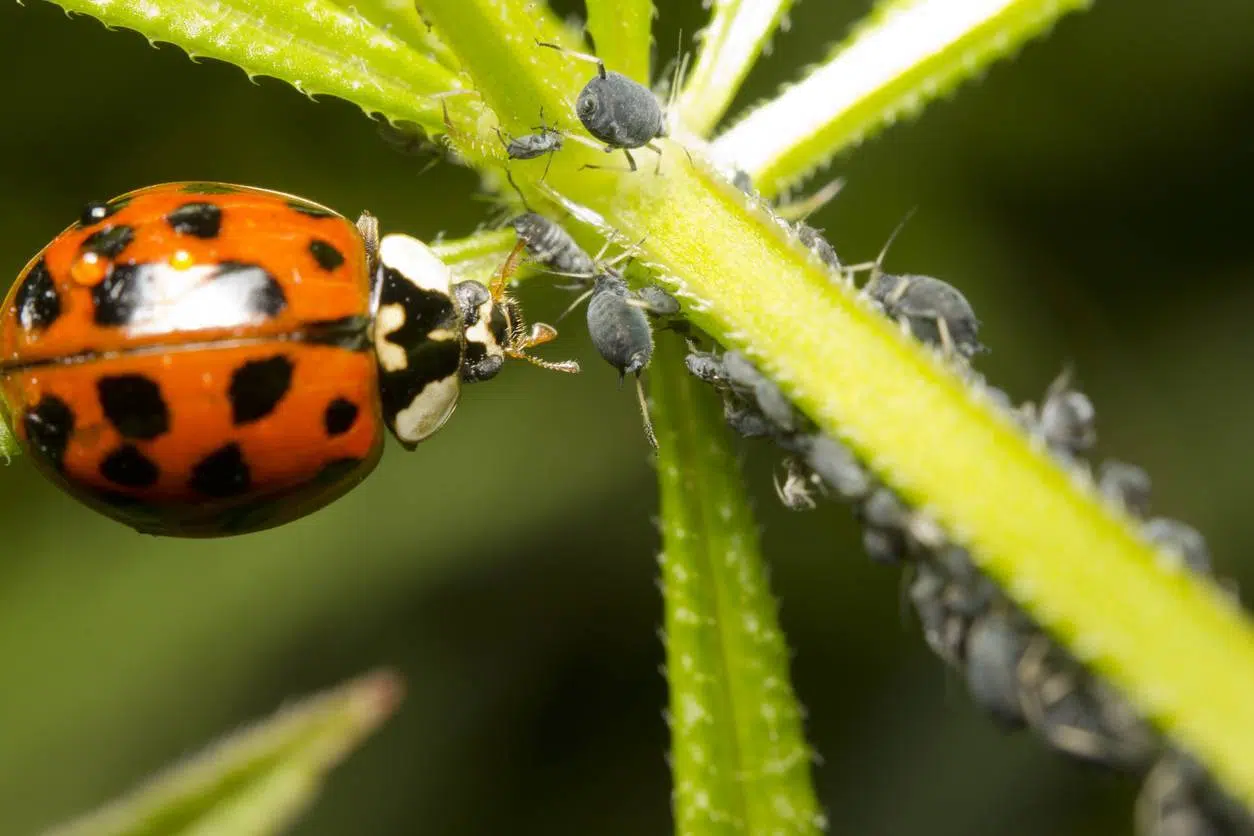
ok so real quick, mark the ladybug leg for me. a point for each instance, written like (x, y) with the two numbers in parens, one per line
(507, 271)
(368, 226)
(540, 334)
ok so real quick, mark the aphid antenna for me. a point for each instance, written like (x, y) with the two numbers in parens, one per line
(802, 209)
(874, 266)
(579, 300)
(582, 56)
(678, 77)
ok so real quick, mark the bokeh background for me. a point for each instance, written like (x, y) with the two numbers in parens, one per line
(1093, 200)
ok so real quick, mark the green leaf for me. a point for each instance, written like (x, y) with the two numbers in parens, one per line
(904, 56)
(316, 46)
(401, 20)
(737, 33)
(258, 780)
(738, 752)
(621, 31)
(495, 40)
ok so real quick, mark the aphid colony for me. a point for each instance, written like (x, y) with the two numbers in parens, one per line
(1012, 669)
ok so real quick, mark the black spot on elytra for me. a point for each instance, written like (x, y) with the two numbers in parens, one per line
(208, 188)
(38, 303)
(109, 241)
(221, 474)
(49, 425)
(128, 467)
(264, 297)
(310, 209)
(116, 299)
(327, 256)
(339, 417)
(203, 220)
(257, 387)
(426, 360)
(99, 210)
(134, 406)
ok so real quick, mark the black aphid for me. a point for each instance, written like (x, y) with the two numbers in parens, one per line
(546, 140)
(551, 245)
(935, 311)
(620, 330)
(617, 110)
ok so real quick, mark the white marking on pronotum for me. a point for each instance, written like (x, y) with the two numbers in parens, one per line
(416, 262)
(391, 356)
(429, 410)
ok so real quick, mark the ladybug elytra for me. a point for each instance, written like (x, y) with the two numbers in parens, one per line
(203, 359)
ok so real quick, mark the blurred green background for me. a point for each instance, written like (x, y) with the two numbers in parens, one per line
(1093, 200)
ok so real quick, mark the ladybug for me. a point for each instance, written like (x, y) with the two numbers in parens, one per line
(204, 359)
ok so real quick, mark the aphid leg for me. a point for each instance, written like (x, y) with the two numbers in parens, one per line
(547, 165)
(658, 169)
(947, 342)
(510, 177)
(630, 160)
(644, 413)
(582, 56)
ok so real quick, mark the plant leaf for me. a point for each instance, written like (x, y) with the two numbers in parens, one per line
(906, 54)
(258, 780)
(621, 31)
(737, 33)
(316, 46)
(738, 751)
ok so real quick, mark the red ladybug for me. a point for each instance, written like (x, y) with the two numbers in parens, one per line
(202, 359)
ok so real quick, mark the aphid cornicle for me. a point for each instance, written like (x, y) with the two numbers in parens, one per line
(619, 111)
(203, 359)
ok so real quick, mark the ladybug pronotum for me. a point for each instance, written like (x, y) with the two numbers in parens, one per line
(203, 359)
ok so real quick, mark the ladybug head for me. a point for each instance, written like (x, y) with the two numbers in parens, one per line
(495, 328)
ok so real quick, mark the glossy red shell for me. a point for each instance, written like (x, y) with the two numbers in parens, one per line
(193, 362)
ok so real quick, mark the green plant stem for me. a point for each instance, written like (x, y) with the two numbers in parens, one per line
(620, 29)
(738, 752)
